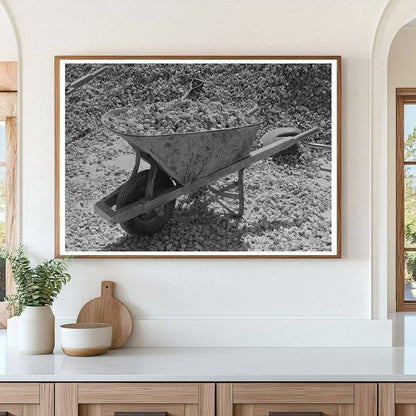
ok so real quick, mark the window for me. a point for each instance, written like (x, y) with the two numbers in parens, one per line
(2, 206)
(8, 170)
(406, 199)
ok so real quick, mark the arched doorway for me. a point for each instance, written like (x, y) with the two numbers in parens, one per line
(8, 148)
(395, 15)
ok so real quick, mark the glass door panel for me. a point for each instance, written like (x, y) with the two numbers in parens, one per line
(410, 133)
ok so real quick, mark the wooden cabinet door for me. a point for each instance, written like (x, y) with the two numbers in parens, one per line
(26, 399)
(145, 399)
(397, 399)
(297, 399)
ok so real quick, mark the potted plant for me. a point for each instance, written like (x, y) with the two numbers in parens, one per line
(36, 289)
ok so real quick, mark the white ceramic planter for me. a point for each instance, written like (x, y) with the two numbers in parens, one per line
(37, 330)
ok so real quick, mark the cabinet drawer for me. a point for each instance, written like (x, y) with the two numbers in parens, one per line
(19, 393)
(138, 393)
(296, 399)
(22, 399)
(147, 399)
(397, 399)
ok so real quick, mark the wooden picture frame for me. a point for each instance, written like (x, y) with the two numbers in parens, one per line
(118, 79)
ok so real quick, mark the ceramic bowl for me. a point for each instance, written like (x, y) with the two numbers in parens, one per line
(84, 340)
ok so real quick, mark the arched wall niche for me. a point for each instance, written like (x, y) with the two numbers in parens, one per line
(396, 14)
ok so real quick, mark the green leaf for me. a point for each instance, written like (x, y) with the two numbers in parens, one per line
(35, 286)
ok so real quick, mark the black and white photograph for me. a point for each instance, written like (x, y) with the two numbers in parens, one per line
(198, 156)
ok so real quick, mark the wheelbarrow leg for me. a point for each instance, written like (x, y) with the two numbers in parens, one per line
(136, 165)
(240, 192)
(218, 194)
(150, 185)
(151, 178)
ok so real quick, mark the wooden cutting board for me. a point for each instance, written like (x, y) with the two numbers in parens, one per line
(107, 309)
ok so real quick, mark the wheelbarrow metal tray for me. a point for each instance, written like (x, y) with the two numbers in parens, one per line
(104, 207)
(188, 156)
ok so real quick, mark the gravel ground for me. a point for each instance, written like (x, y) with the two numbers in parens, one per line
(287, 199)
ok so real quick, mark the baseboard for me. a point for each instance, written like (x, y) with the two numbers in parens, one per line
(250, 332)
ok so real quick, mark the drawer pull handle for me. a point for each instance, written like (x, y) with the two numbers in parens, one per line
(139, 414)
(296, 414)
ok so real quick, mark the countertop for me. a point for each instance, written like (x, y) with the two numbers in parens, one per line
(213, 364)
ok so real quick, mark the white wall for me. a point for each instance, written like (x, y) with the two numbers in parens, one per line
(183, 300)
(401, 74)
(8, 47)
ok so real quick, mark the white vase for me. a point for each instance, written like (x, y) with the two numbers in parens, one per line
(37, 330)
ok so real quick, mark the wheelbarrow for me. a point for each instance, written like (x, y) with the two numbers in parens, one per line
(182, 163)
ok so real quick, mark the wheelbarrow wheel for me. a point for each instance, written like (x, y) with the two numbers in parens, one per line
(134, 190)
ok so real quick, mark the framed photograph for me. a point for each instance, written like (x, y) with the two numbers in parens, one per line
(198, 156)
